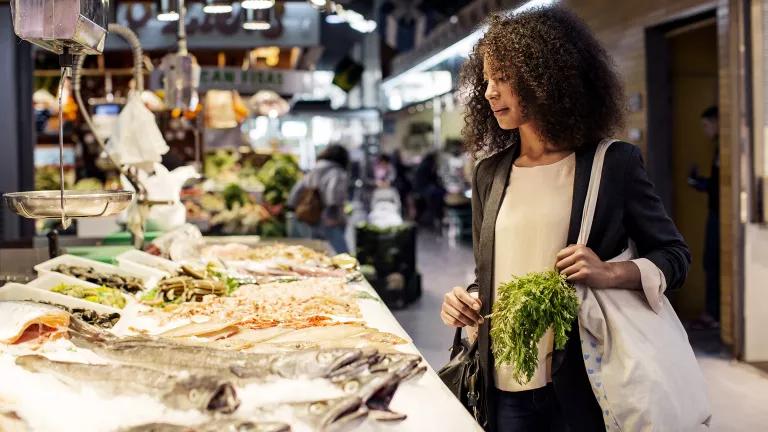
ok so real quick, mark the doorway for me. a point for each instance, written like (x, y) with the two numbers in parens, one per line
(683, 83)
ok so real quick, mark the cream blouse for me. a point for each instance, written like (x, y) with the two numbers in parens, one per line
(531, 228)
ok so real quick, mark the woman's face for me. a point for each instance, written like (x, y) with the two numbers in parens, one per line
(502, 100)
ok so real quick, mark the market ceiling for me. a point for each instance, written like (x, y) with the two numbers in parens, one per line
(336, 40)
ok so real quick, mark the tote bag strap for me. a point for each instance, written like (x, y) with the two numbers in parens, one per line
(592, 191)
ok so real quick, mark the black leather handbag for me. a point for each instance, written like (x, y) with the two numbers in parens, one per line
(462, 375)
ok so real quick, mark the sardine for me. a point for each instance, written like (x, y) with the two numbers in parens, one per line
(203, 393)
(222, 425)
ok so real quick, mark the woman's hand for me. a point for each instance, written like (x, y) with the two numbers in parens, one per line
(580, 264)
(460, 309)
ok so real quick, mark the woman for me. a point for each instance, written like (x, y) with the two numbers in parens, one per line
(542, 95)
(329, 177)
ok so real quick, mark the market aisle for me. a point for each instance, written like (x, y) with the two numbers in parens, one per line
(738, 392)
(442, 267)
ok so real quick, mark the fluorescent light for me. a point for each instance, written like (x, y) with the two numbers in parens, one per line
(334, 19)
(257, 4)
(256, 25)
(460, 48)
(318, 3)
(168, 16)
(217, 7)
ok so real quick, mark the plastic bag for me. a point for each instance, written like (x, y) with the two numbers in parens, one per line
(136, 139)
(166, 185)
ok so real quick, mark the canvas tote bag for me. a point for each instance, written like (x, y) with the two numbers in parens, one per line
(639, 362)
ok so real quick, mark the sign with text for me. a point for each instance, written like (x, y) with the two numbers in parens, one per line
(285, 82)
(296, 24)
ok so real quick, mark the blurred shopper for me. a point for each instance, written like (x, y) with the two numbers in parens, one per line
(403, 184)
(711, 186)
(541, 94)
(384, 171)
(430, 193)
(319, 199)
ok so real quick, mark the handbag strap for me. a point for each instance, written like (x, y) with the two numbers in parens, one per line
(457, 345)
(592, 191)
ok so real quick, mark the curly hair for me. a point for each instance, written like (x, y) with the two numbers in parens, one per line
(563, 78)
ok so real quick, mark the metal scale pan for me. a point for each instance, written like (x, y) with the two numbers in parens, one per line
(77, 204)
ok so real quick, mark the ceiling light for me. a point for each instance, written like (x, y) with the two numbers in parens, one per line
(167, 10)
(334, 19)
(217, 7)
(168, 16)
(257, 19)
(257, 4)
(319, 4)
(257, 26)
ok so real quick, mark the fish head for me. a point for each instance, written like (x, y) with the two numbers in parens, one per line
(203, 393)
(32, 363)
(376, 389)
(314, 363)
(397, 362)
(333, 414)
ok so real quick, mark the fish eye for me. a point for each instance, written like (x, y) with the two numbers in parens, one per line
(194, 394)
(317, 408)
(351, 387)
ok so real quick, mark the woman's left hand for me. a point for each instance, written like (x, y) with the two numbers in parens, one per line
(580, 264)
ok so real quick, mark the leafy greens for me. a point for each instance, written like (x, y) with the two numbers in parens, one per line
(524, 310)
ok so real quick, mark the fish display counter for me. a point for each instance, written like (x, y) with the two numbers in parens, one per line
(218, 337)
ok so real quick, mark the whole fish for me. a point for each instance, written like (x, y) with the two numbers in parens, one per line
(173, 357)
(298, 364)
(222, 425)
(203, 393)
(321, 416)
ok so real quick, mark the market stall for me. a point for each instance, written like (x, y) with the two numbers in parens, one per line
(207, 334)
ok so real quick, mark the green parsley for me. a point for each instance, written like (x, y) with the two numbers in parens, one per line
(523, 311)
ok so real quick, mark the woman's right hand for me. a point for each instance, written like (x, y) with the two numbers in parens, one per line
(460, 309)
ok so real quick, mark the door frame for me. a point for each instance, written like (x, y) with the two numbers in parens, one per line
(735, 103)
(659, 112)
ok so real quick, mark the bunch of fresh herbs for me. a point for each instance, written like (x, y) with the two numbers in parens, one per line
(524, 310)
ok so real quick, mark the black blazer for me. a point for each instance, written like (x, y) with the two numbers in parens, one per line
(627, 207)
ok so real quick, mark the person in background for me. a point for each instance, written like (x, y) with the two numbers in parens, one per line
(384, 171)
(710, 185)
(331, 179)
(403, 184)
(430, 193)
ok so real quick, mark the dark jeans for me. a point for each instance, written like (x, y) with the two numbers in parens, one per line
(529, 411)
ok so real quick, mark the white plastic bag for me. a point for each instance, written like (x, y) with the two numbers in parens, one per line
(639, 362)
(136, 139)
(165, 185)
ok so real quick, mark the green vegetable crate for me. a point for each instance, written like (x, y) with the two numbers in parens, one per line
(390, 254)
